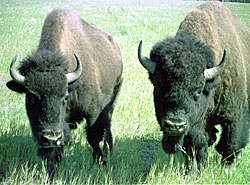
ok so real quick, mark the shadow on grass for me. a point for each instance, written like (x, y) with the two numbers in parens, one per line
(130, 162)
(16, 151)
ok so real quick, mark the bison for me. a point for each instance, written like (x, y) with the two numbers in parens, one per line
(56, 97)
(201, 78)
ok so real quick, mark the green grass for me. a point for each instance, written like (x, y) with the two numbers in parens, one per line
(137, 156)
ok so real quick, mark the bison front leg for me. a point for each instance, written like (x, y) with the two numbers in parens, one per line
(195, 149)
(108, 142)
(95, 135)
(195, 159)
(108, 112)
(235, 136)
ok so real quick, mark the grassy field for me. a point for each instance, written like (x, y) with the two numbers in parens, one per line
(137, 157)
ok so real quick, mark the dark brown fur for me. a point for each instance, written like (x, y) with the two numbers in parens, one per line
(216, 26)
(91, 97)
(180, 89)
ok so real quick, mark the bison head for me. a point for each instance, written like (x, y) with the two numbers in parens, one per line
(182, 72)
(47, 86)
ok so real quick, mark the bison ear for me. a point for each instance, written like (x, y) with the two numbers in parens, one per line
(12, 85)
(74, 85)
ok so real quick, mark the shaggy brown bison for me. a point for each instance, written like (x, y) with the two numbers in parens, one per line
(56, 98)
(196, 86)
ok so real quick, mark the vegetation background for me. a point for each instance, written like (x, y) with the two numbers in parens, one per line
(137, 157)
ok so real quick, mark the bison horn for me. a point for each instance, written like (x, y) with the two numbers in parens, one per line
(216, 71)
(13, 73)
(77, 73)
(146, 63)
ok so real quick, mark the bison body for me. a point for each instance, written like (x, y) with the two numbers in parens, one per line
(197, 87)
(56, 97)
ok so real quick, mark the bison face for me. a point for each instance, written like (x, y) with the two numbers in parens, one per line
(182, 87)
(47, 94)
(46, 108)
(179, 105)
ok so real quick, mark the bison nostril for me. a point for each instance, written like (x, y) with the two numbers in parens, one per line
(166, 125)
(44, 140)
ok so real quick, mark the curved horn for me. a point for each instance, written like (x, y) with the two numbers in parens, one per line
(13, 73)
(216, 71)
(77, 73)
(146, 63)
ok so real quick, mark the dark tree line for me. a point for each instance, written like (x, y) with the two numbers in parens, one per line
(238, 1)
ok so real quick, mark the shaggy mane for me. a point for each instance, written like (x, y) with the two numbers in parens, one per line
(44, 61)
(182, 51)
(183, 59)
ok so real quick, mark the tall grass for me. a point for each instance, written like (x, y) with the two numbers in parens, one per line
(137, 156)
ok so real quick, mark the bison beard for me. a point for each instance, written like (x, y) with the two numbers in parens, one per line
(53, 157)
(172, 144)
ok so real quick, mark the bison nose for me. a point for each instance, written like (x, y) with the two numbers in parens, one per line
(174, 126)
(51, 138)
(175, 122)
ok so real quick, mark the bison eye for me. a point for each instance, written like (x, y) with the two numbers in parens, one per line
(65, 99)
(197, 95)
